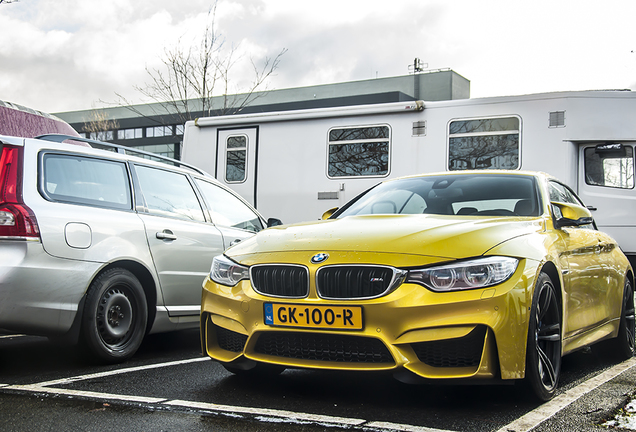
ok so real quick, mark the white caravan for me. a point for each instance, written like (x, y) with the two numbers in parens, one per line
(294, 165)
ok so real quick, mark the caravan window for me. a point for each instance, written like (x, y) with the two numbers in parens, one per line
(359, 151)
(236, 158)
(487, 143)
(610, 165)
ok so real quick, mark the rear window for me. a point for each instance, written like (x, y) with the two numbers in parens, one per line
(87, 181)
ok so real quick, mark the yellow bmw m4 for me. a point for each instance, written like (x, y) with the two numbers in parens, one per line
(478, 275)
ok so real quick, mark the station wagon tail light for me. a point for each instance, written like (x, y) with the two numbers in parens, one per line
(16, 219)
(476, 273)
(226, 272)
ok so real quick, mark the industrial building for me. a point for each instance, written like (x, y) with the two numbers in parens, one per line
(155, 128)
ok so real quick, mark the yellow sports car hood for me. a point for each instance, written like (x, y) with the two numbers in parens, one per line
(448, 237)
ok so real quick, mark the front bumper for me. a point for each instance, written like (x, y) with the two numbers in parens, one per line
(471, 334)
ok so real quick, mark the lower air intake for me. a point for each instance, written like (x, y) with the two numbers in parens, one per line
(460, 352)
(330, 348)
(229, 340)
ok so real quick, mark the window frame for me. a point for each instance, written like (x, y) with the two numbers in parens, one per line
(42, 178)
(595, 148)
(142, 203)
(388, 140)
(211, 211)
(243, 149)
(519, 133)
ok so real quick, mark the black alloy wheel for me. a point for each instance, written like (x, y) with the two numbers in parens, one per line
(543, 356)
(624, 344)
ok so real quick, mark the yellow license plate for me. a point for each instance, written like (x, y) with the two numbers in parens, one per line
(313, 316)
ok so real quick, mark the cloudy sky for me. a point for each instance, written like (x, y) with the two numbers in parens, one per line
(64, 55)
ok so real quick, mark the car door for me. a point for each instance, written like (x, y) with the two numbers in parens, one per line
(181, 240)
(586, 264)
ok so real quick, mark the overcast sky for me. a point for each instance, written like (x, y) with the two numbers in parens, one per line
(65, 55)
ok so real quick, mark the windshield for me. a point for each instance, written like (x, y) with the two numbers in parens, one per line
(470, 195)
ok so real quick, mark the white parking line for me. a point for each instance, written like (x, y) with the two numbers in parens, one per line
(523, 424)
(300, 417)
(119, 371)
(11, 336)
(86, 394)
(547, 410)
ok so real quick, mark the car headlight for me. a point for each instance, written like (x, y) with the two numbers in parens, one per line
(227, 272)
(477, 273)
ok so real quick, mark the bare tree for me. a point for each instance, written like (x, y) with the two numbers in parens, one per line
(192, 76)
(99, 126)
(8, 1)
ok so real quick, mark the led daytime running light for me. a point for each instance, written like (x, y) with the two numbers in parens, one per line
(477, 273)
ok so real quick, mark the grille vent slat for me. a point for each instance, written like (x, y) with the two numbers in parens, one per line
(351, 282)
(280, 280)
(557, 119)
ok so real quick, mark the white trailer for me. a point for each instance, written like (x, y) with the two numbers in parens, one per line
(294, 165)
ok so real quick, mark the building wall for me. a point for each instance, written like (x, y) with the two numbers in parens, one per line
(152, 128)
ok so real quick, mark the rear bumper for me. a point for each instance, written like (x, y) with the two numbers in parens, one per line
(39, 293)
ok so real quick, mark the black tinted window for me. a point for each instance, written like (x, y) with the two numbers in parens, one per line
(84, 180)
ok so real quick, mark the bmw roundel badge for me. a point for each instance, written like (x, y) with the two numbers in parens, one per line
(318, 258)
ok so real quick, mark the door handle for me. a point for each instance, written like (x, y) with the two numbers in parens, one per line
(235, 241)
(591, 208)
(166, 235)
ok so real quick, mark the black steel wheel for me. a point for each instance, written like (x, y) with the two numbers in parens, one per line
(543, 356)
(115, 316)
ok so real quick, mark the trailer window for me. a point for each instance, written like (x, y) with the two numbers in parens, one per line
(487, 143)
(610, 165)
(236, 158)
(359, 151)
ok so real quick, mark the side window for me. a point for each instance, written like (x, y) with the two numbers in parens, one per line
(168, 193)
(88, 181)
(610, 165)
(236, 158)
(359, 151)
(561, 193)
(228, 210)
(488, 143)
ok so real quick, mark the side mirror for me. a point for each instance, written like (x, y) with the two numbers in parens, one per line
(566, 214)
(272, 222)
(328, 213)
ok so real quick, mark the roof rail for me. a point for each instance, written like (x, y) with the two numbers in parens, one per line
(119, 148)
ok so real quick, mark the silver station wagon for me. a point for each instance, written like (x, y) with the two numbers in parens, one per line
(102, 248)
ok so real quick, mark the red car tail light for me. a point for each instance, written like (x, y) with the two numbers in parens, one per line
(16, 219)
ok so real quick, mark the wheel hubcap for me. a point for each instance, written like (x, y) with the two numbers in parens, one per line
(115, 315)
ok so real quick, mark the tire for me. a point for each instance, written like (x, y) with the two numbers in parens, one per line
(622, 347)
(543, 354)
(115, 316)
